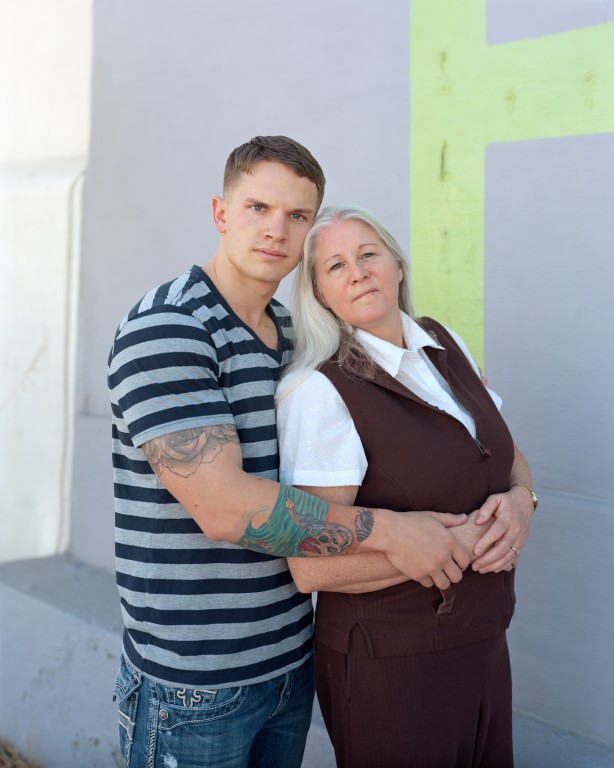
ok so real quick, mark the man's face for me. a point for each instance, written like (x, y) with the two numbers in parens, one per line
(263, 221)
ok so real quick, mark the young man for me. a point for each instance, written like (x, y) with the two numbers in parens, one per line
(216, 668)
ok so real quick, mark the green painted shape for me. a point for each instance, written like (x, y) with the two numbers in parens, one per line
(465, 95)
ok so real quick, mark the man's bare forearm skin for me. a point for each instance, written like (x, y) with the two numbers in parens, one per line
(202, 468)
(296, 525)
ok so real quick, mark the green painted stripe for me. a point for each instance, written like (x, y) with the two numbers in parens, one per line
(464, 95)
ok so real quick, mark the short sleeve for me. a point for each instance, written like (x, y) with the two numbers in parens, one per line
(318, 442)
(163, 375)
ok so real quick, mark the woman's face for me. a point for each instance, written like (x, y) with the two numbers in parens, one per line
(358, 278)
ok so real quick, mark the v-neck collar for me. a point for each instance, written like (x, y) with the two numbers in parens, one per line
(276, 354)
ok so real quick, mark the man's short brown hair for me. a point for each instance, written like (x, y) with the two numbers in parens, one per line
(277, 149)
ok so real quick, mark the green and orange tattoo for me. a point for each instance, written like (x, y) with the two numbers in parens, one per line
(297, 527)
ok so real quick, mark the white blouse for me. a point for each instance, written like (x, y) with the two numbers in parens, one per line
(318, 443)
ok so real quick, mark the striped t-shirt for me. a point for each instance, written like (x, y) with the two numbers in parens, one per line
(197, 613)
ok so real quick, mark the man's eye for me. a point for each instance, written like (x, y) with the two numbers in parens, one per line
(257, 207)
(298, 216)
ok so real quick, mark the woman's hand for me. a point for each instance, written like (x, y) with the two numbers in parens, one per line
(499, 548)
(510, 516)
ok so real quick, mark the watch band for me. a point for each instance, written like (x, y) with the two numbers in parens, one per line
(530, 490)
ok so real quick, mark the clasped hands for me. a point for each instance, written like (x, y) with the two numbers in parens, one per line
(441, 546)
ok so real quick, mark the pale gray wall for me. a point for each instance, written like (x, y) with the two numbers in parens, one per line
(518, 19)
(549, 303)
(549, 288)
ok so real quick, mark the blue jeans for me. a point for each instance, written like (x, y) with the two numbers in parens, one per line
(263, 725)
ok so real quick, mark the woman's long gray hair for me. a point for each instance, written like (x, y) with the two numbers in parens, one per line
(319, 333)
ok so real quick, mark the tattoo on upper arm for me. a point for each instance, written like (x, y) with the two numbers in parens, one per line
(184, 451)
(297, 528)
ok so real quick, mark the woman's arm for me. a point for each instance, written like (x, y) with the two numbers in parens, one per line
(512, 513)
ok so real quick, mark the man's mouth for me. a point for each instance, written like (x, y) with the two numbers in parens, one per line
(272, 253)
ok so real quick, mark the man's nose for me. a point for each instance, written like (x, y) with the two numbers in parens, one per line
(276, 227)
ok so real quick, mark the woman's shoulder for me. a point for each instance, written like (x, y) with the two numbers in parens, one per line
(302, 383)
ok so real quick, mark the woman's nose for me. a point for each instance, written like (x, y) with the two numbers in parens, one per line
(358, 270)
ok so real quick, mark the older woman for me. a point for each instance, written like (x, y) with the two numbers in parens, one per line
(381, 409)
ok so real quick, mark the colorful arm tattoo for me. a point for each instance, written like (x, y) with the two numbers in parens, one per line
(297, 528)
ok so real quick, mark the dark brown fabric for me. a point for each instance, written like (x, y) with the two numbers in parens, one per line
(409, 676)
(449, 709)
(421, 458)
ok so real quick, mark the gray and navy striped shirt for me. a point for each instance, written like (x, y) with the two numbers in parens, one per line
(197, 613)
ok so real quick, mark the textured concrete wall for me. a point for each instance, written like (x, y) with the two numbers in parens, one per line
(549, 329)
(45, 51)
(60, 653)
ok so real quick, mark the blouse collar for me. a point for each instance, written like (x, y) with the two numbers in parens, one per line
(388, 356)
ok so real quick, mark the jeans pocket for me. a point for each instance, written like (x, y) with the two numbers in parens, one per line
(126, 693)
(199, 706)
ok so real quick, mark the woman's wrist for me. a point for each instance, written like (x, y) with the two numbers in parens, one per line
(530, 490)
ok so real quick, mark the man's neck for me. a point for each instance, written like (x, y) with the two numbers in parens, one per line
(247, 298)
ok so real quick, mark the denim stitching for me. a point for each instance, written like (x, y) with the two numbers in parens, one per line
(284, 695)
(152, 725)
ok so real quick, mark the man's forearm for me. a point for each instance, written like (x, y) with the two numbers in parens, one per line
(202, 469)
(298, 526)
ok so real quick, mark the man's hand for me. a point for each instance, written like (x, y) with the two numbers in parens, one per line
(421, 546)
(469, 533)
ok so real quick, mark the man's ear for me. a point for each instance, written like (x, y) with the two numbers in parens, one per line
(219, 213)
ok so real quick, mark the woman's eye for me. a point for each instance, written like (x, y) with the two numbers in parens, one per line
(336, 266)
(367, 255)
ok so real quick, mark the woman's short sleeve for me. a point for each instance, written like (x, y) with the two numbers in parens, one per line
(318, 443)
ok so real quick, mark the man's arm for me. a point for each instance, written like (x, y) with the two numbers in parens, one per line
(364, 572)
(368, 571)
(202, 468)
